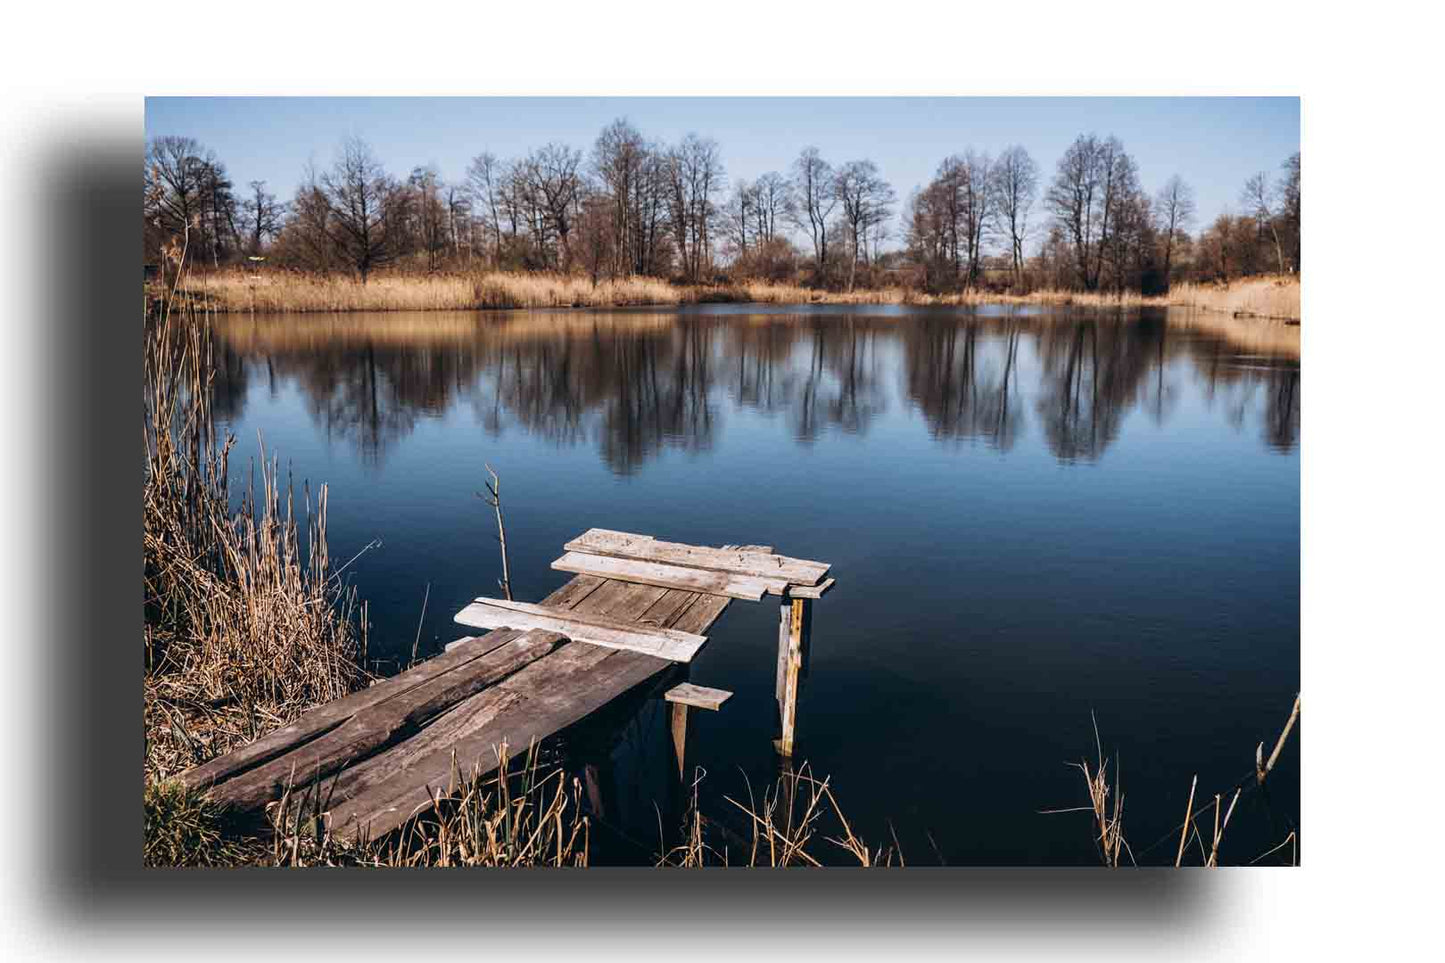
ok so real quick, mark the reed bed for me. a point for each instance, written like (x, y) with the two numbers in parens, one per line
(319, 293)
(1275, 297)
(298, 292)
(244, 627)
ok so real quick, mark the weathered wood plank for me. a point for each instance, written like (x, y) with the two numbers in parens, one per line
(811, 591)
(599, 541)
(797, 638)
(547, 696)
(586, 626)
(558, 690)
(697, 695)
(375, 727)
(325, 718)
(671, 576)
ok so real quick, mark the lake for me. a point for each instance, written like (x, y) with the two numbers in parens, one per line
(1033, 516)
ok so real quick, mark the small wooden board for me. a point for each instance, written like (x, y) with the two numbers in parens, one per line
(796, 571)
(671, 576)
(811, 591)
(670, 644)
(698, 696)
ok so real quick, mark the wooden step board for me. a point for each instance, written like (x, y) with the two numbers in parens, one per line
(712, 582)
(737, 561)
(487, 613)
(697, 696)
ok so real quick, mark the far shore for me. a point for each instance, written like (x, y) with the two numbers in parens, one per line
(1274, 298)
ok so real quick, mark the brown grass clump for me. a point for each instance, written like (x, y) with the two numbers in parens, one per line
(244, 628)
(1275, 296)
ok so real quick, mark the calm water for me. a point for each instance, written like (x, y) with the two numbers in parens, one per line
(1030, 516)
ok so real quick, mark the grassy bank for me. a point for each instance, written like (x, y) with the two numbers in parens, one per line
(275, 292)
(233, 291)
(1274, 297)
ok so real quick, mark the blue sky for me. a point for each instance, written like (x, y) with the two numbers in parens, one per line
(1214, 143)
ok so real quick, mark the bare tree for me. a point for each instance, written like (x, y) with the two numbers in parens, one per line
(359, 194)
(1290, 205)
(867, 201)
(484, 184)
(976, 209)
(814, 187)
(263, 215)
(1260, 198)
(695, 174)
(1174, 211)
(772, 203)
(1091, 179)
(555, 179)
(1016, 184)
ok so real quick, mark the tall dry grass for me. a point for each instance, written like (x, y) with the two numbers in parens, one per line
(246, 626)
(795, 814)
(1276, 297)
(289, 291)
(312, 293)
(283, 292)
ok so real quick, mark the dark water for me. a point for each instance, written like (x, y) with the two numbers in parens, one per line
(1031, 518)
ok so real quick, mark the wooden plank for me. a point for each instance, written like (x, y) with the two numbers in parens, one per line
(671, 576)
(697, 695)
(376, 727)
(558, 690)
(811, 591)
(547, 696)
(325, 718)
(599, 541)
(585, 627)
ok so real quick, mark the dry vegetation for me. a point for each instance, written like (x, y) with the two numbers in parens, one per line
(244, 628)
(796, 812)
(1106, 806)
(1275, 296)
(284, 292)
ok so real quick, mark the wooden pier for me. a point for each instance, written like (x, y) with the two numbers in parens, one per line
(632, 618)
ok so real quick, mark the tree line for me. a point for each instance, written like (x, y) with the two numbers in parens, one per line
(633, 206)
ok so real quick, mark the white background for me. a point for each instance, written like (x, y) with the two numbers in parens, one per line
(1371, 527)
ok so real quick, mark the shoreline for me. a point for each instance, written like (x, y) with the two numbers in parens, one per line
(1266, 298)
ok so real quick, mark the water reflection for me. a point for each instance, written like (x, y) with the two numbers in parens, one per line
(635, 383)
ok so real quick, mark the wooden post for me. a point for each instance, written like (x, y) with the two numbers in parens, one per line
(679, 734)
(683, 696)
(592, 778)
(792, 643)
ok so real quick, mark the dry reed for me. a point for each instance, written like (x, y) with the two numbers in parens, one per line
(782, 830)
(244, 627)
(1276, 297)
(294, 291)
(285, 291)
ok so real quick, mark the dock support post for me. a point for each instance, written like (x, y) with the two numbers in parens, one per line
(679, 735)
(793, 629)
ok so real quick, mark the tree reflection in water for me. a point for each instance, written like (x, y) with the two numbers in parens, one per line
(640, 382)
